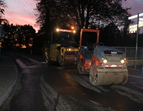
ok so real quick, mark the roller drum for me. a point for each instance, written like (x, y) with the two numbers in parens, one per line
(102, 76)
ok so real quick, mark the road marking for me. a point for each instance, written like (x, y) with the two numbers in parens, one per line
(135, 76)
(21, 63)
(100, 108)
(130, 93)
(85, 83)
(44, 62)
(52, 99)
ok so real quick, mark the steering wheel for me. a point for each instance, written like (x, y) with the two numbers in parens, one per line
(99, 44)
(90, 46)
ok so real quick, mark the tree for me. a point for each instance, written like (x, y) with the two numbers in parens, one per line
(81, 13)
(47, 14)
(111, 35)
(89, 12)
(28, 33)
(2, 6)
(18, 35)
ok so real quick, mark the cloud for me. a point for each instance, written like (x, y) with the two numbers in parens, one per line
(21, 12)
(136, 6)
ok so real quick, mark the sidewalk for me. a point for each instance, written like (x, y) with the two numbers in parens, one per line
(8, 77)
(135, 72)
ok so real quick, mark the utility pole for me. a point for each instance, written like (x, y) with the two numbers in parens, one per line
(137, 33)
(136, 52)
(0, 39)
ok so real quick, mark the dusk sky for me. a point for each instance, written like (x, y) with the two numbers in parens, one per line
(22, 11)
(136, 6)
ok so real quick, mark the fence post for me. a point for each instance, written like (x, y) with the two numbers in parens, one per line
(142, 53)
(125, 51)
(136, 52)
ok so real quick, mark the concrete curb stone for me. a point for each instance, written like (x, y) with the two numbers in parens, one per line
(8, 77)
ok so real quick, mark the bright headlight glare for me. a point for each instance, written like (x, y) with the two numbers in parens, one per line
(104, 61)
(57, 29)
(122, 61)
(69, 49)
(74, 31)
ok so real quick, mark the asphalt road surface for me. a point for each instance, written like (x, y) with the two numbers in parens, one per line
(53, 88)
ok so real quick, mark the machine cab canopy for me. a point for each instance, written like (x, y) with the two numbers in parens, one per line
(60, 35)
(102, 51)
(63, 36)
(89, 36)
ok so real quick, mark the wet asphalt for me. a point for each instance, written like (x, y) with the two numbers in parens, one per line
(28, 95)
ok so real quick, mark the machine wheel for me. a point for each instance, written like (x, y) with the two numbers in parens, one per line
(80, 67)
(92, 75)
(125, 79)
(47, 59)
(61, 60)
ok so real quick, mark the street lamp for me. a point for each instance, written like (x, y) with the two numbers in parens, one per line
(135, 16)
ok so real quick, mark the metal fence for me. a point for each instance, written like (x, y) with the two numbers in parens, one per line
(130, 54)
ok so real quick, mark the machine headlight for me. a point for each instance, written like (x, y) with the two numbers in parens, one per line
(57, 29)
(74, 31)
(123, 60)
(104, 60)
(69, 49)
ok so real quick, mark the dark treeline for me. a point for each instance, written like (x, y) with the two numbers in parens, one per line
(18, 36)
(106, 15)
(80, 13)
